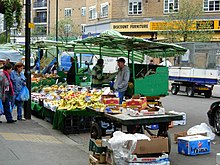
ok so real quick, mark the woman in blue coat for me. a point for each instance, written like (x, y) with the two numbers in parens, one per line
(18, 80)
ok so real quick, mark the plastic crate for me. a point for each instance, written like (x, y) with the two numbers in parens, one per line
(96, 146)
(77, 124)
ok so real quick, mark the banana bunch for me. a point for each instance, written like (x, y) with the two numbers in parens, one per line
(96, 97)
(99, 106)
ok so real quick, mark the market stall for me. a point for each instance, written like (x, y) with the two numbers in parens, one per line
(63, 103)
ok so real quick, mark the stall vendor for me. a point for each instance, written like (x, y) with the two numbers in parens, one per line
(122, 78)
(97, 74)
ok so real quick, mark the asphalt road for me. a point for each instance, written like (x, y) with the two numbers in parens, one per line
(196, 109)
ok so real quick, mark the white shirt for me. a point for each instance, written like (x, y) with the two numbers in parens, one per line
(166, 63)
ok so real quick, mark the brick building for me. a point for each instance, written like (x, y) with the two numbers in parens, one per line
(141, 18)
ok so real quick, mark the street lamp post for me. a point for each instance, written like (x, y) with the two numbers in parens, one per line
(57, 12)
(27, 104)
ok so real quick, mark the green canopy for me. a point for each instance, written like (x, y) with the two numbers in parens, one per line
(111, 43)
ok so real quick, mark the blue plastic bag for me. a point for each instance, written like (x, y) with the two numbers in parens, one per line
(1, 108)
(23, 95)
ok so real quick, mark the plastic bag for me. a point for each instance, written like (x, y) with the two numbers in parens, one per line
(1, 108)
(202, 128)
(23, 95)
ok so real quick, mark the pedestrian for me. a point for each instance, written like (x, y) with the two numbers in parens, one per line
(53, 69)
(18, 80)
(6, 92)
(122, 79)
(97, 74)
(71, 74)
(151, 62)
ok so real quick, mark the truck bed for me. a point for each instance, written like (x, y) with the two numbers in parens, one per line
(189, 74)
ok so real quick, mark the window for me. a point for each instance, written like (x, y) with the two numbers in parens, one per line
(171, 6)
(67, 28)
(211, 5)
(135, 7)
(92, 12)
(104, 10)
(83, 11)
(67, 12)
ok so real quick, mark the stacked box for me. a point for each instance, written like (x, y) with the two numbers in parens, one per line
(139, 104)
(194, 145)
(111, 101)
(184, 134)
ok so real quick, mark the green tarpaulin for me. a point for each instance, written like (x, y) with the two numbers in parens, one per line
(111, 43)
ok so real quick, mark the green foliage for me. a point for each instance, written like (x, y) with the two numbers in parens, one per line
(3, 38)
(183, 26)
(11, 6)
(67, 30)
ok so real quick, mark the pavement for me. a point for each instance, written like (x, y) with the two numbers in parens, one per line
(34, 142)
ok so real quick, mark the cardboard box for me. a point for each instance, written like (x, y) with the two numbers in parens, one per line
(184, 134)
(111, 101)
(180, 122)
(194, 145)
(156, 145)
(140, 103)
(153, 160)
(107, 96)
(110, 157)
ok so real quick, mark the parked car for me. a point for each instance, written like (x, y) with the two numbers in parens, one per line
(214, 116)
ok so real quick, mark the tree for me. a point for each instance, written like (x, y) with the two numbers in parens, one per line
(67, 30)
(186, 25)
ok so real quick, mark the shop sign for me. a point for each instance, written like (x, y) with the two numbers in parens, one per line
(197, 25)
(131, 26)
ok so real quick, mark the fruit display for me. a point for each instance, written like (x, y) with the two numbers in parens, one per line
(69, 97)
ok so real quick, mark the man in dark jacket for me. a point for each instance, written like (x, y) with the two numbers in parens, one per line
(71, 74)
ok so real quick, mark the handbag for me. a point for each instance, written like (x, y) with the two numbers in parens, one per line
(23, 94)
(1, 108)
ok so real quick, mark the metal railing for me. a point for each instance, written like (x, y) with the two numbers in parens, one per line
(40, 4)
(40, 20)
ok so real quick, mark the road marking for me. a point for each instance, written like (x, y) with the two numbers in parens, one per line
(30, 138)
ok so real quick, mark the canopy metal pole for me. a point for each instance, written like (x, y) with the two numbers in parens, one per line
(80, 57)
(133, 68)
(100, 51)
(27, 104)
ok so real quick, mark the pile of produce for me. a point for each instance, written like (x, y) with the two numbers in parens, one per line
(69, 97)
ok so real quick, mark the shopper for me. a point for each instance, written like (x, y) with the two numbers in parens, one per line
(18, 81)
(6, 92)
(97, 74)
(53, 69)
(122, 79)
(71, 74)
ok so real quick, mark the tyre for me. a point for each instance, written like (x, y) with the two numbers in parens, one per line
(217, 122)
(208, 94)
(190, 91)
(96, 131)
(174, 89)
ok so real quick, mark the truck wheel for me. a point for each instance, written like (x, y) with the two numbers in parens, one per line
(190, 91)
(96, 131)
(208, 94)
(174, 89)
(217, 122)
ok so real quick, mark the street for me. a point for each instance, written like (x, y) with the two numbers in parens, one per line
(195, 109)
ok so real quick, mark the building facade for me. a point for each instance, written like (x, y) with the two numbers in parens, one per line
(140, 18)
